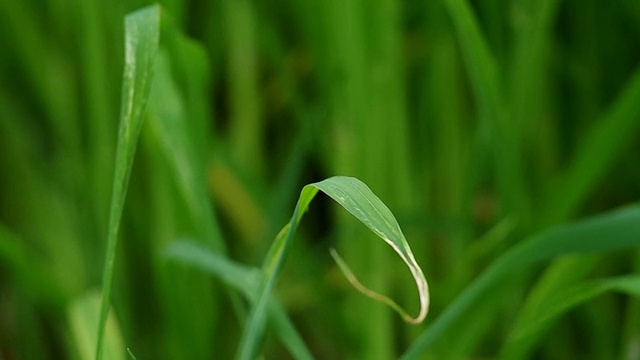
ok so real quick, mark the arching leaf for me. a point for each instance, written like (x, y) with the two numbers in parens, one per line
(361, 202)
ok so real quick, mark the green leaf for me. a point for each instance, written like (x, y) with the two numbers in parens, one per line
(169, 123)
(362, 203)
(357, 198)
(495, 131)
(615, 230)
(142, 35)
(523, 336)
(83, 316)
(480, 63)
(599, 148)
(245, 280)
(133, 357)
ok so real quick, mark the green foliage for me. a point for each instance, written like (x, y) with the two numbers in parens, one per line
(503, 134)
(142, 34)
(621, 229)
(133, 357)
(357, 199)
(244, 280)
(84, 319)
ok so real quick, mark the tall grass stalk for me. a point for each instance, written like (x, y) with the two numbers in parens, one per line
(142, 32)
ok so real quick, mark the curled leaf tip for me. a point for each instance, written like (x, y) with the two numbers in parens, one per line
(424, 295)
(361, 202)
(355, 197)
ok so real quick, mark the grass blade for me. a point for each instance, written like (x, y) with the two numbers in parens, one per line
(599, 148)
(83, 318)
(243, 279)
(480, 63)
(495, 133)
(169, 122)
(133, 357)
(142, 36)
(246, 128)
(615, 230)
(523, 337)
(360, 201)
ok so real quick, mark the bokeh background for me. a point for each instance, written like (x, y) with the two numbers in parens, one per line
(479, 123)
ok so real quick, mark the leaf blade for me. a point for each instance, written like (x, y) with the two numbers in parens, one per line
(356, 197)
(578, 238)
(360, 201)
(525, 334)
(142, 36)
(245, 280)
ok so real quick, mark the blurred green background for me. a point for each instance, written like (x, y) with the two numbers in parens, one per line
(478, 123)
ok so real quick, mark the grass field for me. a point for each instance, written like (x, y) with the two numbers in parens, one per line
(154, 167)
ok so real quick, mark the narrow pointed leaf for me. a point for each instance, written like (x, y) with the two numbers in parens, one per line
(142, 35)
(83, 313)
(611, 231)
(133, 357)
(243, 279)
(524, 336)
